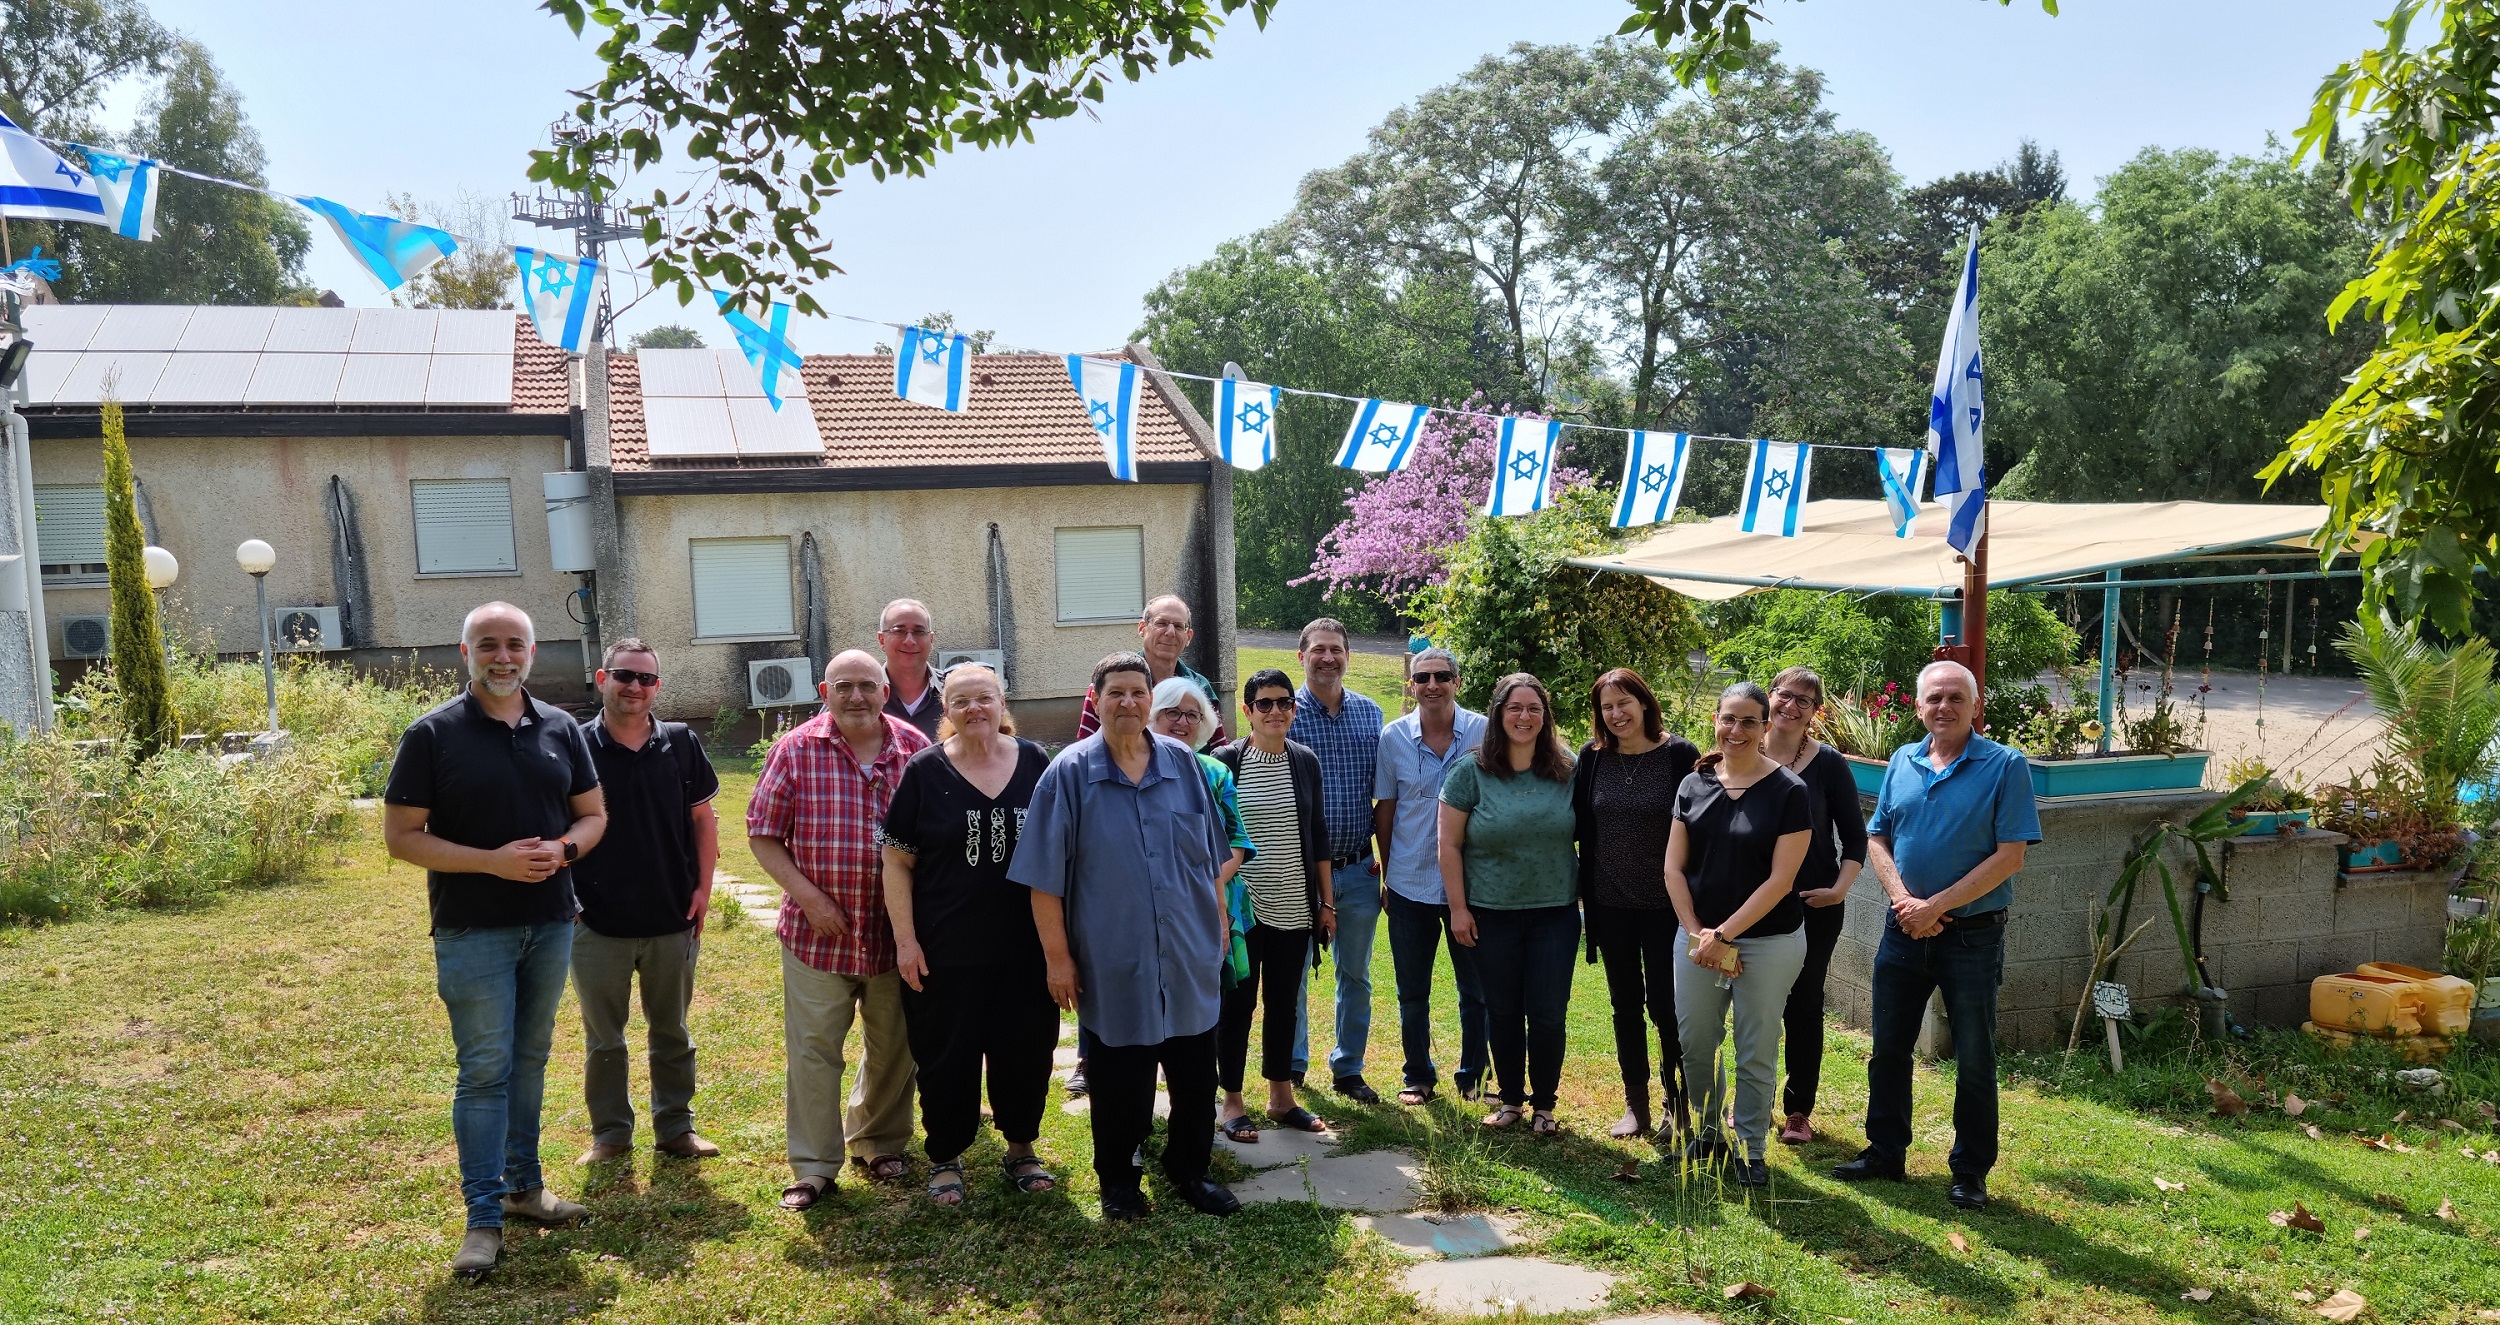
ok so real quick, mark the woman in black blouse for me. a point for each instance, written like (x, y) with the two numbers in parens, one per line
(1623, 799)
(1739, 836)
(971, 961)
(1835, 850)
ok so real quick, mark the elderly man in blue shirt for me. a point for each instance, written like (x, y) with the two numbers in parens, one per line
(1120, 847)
(1951, 824)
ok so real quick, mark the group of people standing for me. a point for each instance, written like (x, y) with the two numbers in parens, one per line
(953, 887)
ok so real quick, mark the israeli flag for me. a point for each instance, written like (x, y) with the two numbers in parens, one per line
(1245, 422)
(1522, 465)
(1653, 477)
(1775, 487)
(1380, 437)
(394, 251)
(1901, 470)
(932, 367)
(767, 347)
(560, 293)
(37, 184)
(127, 188)
(1955, 415)
(1110, 392)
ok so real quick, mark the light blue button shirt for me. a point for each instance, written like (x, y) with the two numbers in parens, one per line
(1411, 774)
(1135, 864)
(1942, 822)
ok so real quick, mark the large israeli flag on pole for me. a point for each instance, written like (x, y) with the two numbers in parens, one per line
(1653, 477)
(1378, 440)
(1245, 422)
(1110, 392)
(127, 188)
(932, 368)
(766, 347)
(561, 294)
(1775, 487)
(1902, 470)
(1523, 464)
(35, 183)
(1955, 415)
(394, 251)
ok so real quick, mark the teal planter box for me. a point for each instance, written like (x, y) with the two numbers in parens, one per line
(2108, 775)
(1868, 772)
(2266, 823)
(2374, 855)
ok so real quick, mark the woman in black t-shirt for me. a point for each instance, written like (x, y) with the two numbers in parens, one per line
(970, 959)
(1835, 850)
(1732, 856)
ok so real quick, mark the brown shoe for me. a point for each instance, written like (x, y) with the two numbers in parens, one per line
(687, 1145)
(601, 1152)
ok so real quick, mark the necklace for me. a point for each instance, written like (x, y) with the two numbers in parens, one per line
(1805, 746)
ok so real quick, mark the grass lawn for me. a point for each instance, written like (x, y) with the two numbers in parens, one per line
(240, 1111)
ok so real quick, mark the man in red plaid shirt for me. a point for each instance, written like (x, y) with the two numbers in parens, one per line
(813, 826)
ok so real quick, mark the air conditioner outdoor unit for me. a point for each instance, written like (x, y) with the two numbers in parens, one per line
(86, 636)
(994, 659)
(307, 629)
(780, 682)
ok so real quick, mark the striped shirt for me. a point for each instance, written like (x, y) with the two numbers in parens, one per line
(1279, 890)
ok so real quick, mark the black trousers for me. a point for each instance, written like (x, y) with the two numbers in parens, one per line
(1639, 950)
(1277, 957)
(1122, 1078)
(1803, 1018)
(962, 1016)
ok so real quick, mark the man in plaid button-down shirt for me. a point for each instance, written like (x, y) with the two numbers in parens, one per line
(813, 826)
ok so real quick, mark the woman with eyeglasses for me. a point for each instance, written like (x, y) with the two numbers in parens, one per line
(1513, 883)
(1740, 830)
(1835, 851)
(1623, 801)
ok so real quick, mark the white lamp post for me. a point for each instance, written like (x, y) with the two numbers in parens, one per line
(162, 569)
(257, 559)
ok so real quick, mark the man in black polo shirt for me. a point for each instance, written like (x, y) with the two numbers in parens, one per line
(913, 684)
(495, 795)
(643, 902)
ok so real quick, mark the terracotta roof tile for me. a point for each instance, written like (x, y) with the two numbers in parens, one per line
(541, 377)
(629, 446)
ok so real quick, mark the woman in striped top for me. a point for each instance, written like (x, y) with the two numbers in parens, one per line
(1278, 785)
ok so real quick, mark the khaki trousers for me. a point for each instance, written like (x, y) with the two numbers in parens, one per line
(817, 1008)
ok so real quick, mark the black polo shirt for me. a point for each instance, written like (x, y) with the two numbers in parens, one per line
(640, 881)
(484, 783)
(932, 703)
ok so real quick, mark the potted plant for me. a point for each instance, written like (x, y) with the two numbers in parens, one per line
(1867, 729)
(2276, 806)
(2441, 707)
(2383, 814)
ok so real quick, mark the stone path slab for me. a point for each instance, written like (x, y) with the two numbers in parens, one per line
(1505, 1285)
(1455, 1237)
(1279, 1147)
(1378, 1181)
(1063, 1056)
(1657, 1318)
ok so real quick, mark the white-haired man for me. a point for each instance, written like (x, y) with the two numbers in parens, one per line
(1951, 824)
(495, 795)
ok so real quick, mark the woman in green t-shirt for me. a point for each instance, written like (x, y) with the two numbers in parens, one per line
(1513, 881)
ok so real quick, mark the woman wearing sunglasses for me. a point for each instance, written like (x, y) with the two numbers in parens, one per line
(1739, 835)
(1835, 849)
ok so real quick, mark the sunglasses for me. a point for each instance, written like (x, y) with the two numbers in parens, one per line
(1272, 704)
(627, 676)
(1434, 678)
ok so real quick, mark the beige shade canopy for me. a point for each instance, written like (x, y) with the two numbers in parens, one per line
(1846, 545)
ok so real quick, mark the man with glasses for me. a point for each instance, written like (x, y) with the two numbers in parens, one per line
(1342, 727)
(1163, 633)
(913, 686)
(1416, 753)
(643, 904)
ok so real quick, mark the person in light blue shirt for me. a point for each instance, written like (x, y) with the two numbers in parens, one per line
(1951, 824)
(1417, 752)
(1342, 727)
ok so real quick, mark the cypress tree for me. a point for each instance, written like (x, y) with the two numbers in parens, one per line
(139, 673)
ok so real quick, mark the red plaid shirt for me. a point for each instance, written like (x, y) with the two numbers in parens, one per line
(819, 802)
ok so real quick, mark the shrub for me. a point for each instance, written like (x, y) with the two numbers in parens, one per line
(138, 634)
(1859, 644)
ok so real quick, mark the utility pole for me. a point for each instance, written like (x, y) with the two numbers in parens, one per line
(29, 709)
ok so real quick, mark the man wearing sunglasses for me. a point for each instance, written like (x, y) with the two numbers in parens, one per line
(643, 904)
(1417, 752)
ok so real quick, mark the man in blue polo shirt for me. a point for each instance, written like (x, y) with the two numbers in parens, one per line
(1950, 828)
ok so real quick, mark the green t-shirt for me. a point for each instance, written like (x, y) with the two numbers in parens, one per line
(1518, 852)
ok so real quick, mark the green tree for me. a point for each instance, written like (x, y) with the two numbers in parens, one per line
(57, 57)
(479, 275)
(1916, 270)
(1858, 644)
(1707, 39)
(669, 336)
(140, 678)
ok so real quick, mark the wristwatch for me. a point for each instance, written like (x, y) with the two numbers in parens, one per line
(572, 850)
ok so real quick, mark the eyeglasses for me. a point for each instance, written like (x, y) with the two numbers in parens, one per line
(1741, 724)
(627, 676)
(906, 632)
(1798, 697)
(1166, 623)
(1434, 678)
(850, 688)
(1192, 717)
(1272, 704)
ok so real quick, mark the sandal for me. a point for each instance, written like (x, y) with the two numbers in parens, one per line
(1416, 1096)
(805, 1193)
(947, 1194)
(887, 1168)
(1239, 1131)
(1507, 1115)
(1028, 1173)
(1300, 1119)
(1543, 1124)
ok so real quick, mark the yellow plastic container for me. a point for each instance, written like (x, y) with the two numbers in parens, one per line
(2366, 1004)
(2447, 1002)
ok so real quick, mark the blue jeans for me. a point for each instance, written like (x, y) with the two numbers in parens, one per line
(1525, 959)
(1357, 894)
(1967, 965)
(501, 986)
(1415, 932)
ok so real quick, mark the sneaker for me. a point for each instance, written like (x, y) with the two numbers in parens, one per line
(601, 1152)
(1752, 1173)
(687, 1145)
(1076, 1080)
(1870, 1164)
(480, 1248)
(545, 1207)
(1796, 1131)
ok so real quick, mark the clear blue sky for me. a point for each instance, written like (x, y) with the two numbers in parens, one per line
(1052, 243)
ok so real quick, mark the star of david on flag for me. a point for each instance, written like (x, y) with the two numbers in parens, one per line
(560, 292)
(1522, 465)
(1955, 415)
(1653, 477)
(37, 184)
(931, 367)
(395, 252)
(1245, 422)
(767, 347)
(1378, 440)
(1110, 392)
(1775, 487)
(127, 188)
(1902, 471)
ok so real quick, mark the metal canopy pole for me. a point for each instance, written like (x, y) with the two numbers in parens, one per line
(2109, 657)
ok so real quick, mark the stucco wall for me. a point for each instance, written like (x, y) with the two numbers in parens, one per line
(209, 494)
(932, 545)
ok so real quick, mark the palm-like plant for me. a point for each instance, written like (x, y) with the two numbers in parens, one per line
(2441, 707)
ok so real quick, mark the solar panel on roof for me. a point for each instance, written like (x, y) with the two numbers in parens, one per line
(46, 374)
(470, 379)
(318, 330)
(140, 327)
(740, 378)
(394, 331)
(203, 377)
(688, 427)
(383, 379)
(62, 326)
(678, 373)
(474, 331)
(763, 432)
(295, 379)
(133, 374)
(234, 330)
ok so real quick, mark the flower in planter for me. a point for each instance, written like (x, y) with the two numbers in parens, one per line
(2092, 729)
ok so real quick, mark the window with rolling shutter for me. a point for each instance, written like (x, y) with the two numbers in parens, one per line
(741, 588)
(69, 532)
(464, 526)
(1102, 574)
